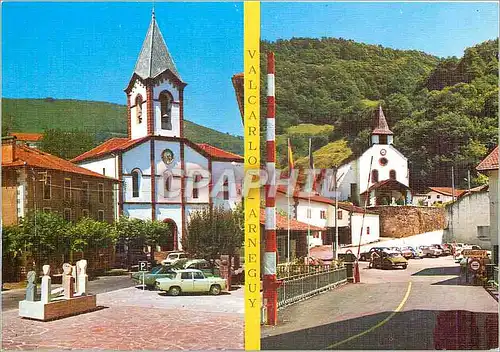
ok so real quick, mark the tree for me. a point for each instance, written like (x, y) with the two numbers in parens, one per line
(89, 235)
(44, 235)
(214, 231)
(66, 144)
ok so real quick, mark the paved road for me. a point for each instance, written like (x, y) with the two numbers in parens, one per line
(11, 298)
(427, 306)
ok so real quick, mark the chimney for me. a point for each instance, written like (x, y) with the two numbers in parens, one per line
(8, 149)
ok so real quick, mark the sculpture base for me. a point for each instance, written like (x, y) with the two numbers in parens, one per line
(58, 308)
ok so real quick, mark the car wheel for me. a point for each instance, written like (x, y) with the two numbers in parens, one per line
(215, 290)
(405, 266)
(386, 265)
(174, 291)
(361, 258)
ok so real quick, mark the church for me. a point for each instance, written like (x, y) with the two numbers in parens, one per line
(163, 175)
(386, 182)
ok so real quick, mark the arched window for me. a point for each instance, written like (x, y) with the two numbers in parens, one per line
(166, 110)
(392, 174)
(374, 176)
(168, 183)
(138, 108)
(135, 183)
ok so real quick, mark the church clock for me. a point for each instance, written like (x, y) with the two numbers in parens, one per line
(167, 156)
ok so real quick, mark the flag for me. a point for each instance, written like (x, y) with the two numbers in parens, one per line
(290, 157)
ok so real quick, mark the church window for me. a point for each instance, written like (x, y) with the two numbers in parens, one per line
(138, 108)
(135, 183)
(168, 183)
(197, 179)
(382, 139)
(392, 174)
(374, 176)
(383, 161)
(226, 189)
(166, 110)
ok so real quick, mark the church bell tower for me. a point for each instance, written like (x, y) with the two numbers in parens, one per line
(381, 133)
(155, 93)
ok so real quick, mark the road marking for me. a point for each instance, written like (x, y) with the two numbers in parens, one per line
(405, 298)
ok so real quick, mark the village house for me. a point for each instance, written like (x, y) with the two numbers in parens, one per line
(32, 140)
(468, 218)
(437, 195)
(388, 176)
(33, 180)
(163, 175)
(319, 211)
(489, 167)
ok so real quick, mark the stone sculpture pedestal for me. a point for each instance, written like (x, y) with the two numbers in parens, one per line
(59, 308)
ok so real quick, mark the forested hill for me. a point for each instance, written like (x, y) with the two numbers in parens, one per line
(93, 122)
(443, 111)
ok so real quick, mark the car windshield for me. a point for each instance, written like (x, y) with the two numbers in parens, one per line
(173, 256)
(156, 269)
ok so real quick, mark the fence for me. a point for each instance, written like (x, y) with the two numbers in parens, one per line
(301, 281)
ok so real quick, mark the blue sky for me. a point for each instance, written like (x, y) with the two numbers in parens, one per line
(88, 50)
(442, 29)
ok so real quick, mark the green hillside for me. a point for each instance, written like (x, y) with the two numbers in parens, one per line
(103, 120)
(443, 111)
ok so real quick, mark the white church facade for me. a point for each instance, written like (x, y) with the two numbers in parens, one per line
(163, 175)
(386, 180)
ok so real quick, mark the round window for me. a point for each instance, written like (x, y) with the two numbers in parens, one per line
(167, 156)
(383, 152)
(383, 161)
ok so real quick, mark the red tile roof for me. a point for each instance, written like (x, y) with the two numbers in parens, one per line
(381, 126)
(282, 223)
(388, 184)
(33, 157)
(217, 152)
(28, 137)
(120, 144)
(110, 146)
(448, 191)
(490, 162)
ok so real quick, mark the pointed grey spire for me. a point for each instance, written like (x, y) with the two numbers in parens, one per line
(154, 57)
(381, 126)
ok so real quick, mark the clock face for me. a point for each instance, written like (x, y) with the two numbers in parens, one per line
(167, 156)
(383, 152)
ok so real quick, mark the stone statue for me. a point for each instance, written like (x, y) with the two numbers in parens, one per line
(31, 287)
(46, 285)
(82, 276)
(68, 281)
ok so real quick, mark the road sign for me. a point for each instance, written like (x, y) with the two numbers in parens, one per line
(475, 253)
(475, 265)
(143, 266)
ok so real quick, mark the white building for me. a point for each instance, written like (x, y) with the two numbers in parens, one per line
(388, 176)
(319, 211)
(437, 195)
(163, 175)
(468, 218)
(489, 166)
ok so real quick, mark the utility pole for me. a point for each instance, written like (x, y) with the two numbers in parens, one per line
(336, 240)
(452, 183)
(468, 179)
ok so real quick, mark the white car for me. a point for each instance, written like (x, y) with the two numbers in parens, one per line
(430, 251)
(172, 258)
(191, 280)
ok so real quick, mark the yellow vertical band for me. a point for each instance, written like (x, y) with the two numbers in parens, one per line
(252, 163)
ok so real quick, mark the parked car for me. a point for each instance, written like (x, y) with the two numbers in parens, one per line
(364, 256)
(444, 251)
(150, 277)
(191, 280)
(430, 251)
(408, 252)
(201, 264)
(388, 260)
(172, 258)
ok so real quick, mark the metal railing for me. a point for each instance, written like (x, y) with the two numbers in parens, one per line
(302, 281)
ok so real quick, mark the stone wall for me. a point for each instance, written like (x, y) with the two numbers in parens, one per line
(404, 221)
